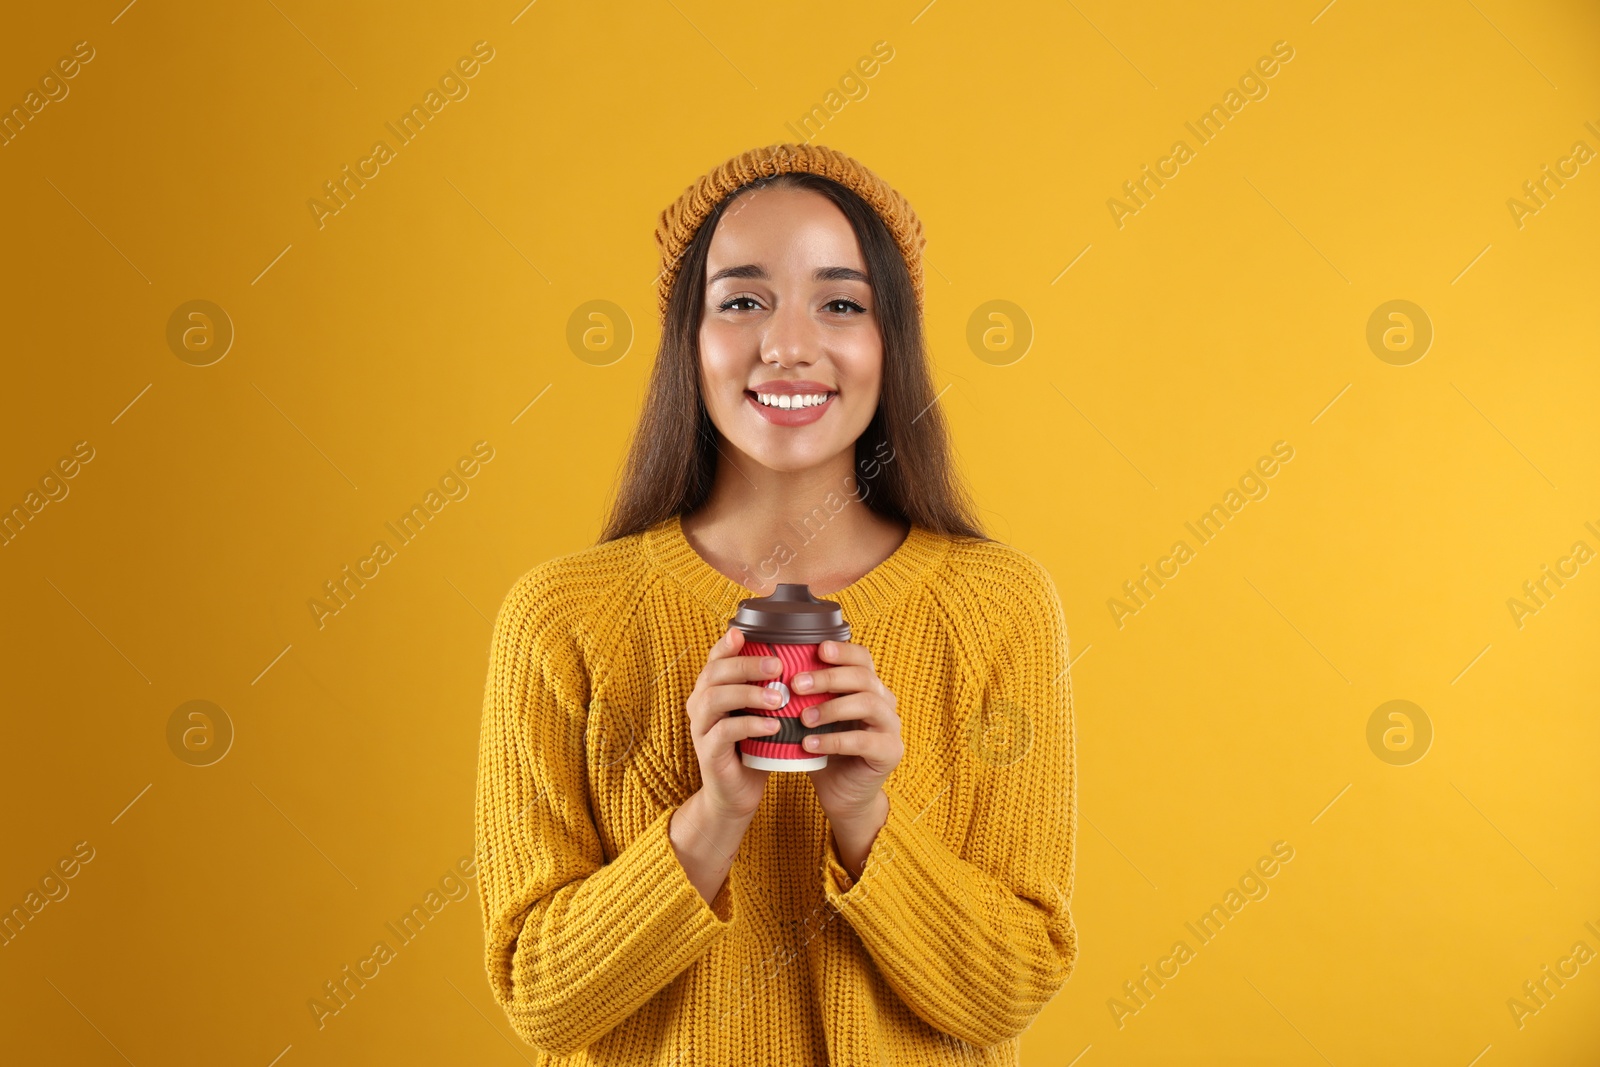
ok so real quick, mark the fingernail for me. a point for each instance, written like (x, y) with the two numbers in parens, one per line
(770, 663)
(802, 682)
(770, 726)
(813, 742)
(772, 696)
(810, 715)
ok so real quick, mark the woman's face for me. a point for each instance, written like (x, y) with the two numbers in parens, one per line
(789, 317)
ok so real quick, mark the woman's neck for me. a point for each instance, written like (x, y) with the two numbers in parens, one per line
(761, 527)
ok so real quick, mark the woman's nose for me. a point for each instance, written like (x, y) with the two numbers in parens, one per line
(788, 338)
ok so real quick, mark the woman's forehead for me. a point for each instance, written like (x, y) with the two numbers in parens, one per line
(783, 234)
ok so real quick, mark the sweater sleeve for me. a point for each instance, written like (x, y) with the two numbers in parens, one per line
(977, 943)
(573, 945)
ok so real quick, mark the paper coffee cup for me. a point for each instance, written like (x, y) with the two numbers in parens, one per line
(789, 624)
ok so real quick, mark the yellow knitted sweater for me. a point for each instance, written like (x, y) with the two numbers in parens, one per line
(959, 932)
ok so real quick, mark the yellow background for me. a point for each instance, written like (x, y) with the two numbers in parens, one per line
(1228, 714)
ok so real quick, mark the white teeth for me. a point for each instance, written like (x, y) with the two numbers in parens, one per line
(804, 400)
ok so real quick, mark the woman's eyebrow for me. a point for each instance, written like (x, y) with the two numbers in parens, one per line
(821, 274)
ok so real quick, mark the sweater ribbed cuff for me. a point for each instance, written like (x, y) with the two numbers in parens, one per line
(657, 864)
(596, 956)
(918, 906)
(898, 840)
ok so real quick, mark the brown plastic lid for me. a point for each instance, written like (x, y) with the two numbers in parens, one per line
(791, 616)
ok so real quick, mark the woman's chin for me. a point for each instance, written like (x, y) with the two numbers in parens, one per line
(794, 460)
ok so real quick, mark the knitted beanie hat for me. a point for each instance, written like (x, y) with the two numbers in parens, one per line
(680, 221)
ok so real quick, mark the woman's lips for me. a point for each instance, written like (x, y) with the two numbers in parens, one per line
(791, 416)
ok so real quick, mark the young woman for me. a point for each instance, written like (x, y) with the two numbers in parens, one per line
(646, 897)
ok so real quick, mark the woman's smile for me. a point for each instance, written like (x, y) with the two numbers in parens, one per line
(791, 403)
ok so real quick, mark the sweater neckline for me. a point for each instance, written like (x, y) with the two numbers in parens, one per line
(870, 595)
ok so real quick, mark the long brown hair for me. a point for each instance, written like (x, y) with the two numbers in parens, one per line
(906, 447)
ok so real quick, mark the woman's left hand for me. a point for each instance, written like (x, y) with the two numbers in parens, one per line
(859, 760)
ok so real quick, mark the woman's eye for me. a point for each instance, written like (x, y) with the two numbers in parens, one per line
(842, 305)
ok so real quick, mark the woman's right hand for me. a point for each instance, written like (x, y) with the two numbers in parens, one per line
(731, 683)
